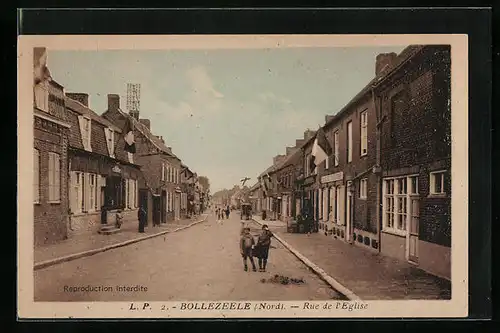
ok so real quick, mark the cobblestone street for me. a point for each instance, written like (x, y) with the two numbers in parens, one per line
(199, 263)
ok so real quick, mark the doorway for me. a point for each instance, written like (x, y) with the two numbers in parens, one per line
(413, 232)
(349, 208)
(156, 210)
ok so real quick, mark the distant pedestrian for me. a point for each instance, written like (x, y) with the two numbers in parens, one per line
(227, 212)
(247, 244)
(262, 247)
(142, 216)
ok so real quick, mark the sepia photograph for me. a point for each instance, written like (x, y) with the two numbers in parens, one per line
(243, 176)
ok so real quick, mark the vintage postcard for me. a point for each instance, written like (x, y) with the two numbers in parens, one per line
(243, 176)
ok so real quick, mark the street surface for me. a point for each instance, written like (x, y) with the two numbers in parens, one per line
(200, 263)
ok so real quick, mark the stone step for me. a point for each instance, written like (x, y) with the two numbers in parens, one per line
(109, 231)
(107, 226)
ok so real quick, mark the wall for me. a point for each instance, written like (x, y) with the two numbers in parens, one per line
(417, 132)
(365, 211)
(435, 259)
(51, 219)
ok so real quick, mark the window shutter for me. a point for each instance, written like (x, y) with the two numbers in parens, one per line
(51, 176)
(98, 192)
(342, 205)
(57, 183)
(72, 191)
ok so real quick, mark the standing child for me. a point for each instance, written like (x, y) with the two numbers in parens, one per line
(262, 248)
(247, 244)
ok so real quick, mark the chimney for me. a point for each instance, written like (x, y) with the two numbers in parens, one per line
(299, 143)
(383, 61)
(277, 159)
(146, 122)
(308, 134)
(113, 102)
(80, 97)
(328, 117)
(290, 150)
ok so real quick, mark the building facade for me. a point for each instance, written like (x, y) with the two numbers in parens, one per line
(50, 162)
(103, 178)
(160, 190)
(415, 143)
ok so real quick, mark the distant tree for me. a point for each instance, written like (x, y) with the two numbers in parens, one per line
(203, 180)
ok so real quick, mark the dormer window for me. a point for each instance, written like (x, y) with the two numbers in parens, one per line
(41, 92)
(85, 130)
(110, 140)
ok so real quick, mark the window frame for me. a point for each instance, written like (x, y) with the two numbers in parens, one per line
(363, 188)
(363, 132)
(432, 181)
(336, 145)
(399, 204)
(349, 141)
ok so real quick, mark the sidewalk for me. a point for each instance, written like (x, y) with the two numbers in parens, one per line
(369, 276)
(88, 242)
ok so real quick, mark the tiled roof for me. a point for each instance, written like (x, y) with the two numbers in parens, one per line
(85, 111)
(150, 136)
(289, 159)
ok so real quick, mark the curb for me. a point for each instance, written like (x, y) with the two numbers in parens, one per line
(318, 270)
(88, 253)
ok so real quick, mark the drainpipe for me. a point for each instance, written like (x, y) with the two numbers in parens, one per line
(376, 106)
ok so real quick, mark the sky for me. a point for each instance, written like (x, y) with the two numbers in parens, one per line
(226, 113)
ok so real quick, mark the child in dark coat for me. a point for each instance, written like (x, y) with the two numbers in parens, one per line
(247, 244)
(262, 248)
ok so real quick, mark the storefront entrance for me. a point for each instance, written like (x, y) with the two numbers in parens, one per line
(114, 192)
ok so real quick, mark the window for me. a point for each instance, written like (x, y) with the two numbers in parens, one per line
(437, 183)
(332, 207)
(363, 188)
(349, 142)
(36, 176)
(336, 147)
(110, 140)
(397, 192)
(54, 177)
(163, 172)
(41, 93)
(364, 132)
(85, 130)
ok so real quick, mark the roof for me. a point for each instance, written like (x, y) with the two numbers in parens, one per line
(268, 170)
(405, 55)
(288, 160)
(150, 136)
(85, 111)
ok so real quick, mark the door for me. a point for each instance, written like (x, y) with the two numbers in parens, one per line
(143, 202)
(177, 207)
(156, 210)
(412, 239)
(163, 207)
(348, 217)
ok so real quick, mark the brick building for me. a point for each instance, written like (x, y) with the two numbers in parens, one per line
(414, 100)
(103, 177)
(160, 185)
(50, 165)
(306, 182)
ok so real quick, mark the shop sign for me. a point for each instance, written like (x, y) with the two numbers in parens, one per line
(332, 177)
(116, 169)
